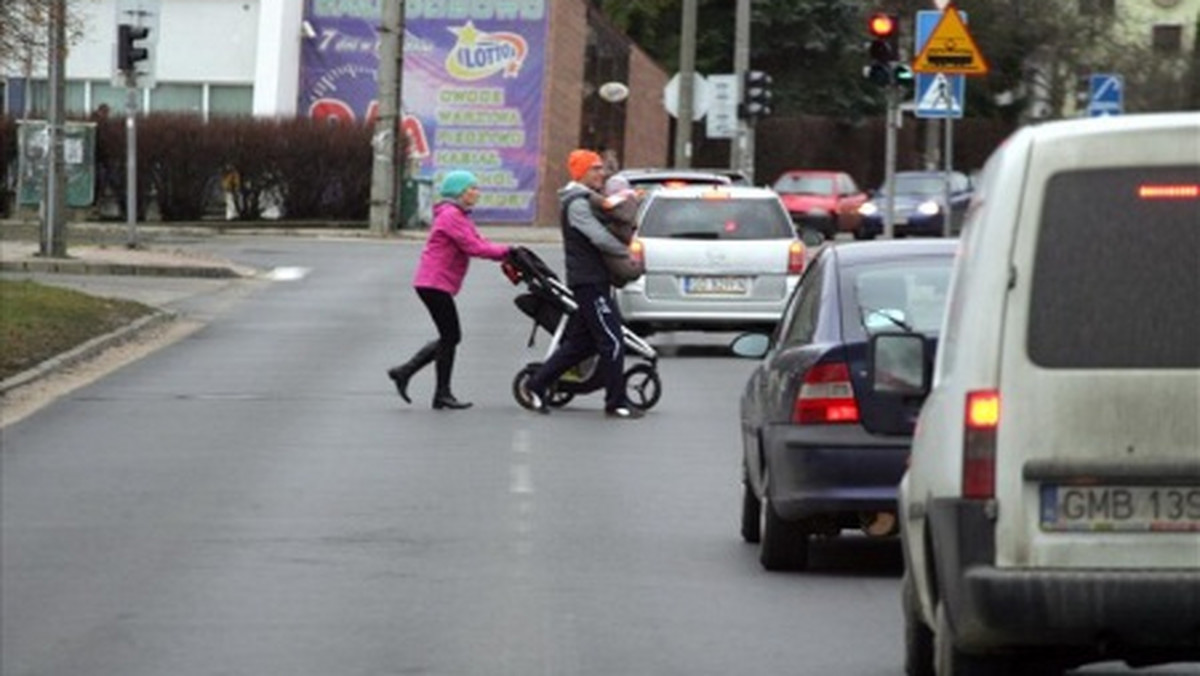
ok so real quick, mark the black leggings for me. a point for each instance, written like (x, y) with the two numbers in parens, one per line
(445, 317)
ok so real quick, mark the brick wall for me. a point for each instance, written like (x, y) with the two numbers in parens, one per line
(647, 126)
(564, 101)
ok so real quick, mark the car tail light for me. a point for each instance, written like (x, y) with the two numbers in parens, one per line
(795, 258)
(979, 444)
(826, 396)
(637, 251)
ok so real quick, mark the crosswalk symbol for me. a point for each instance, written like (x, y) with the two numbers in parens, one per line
(940, 98)
(950, 48)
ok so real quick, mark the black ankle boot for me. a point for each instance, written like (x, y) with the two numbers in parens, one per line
(448, 401)
(400, 375)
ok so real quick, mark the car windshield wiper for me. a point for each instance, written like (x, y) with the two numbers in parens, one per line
(865, 312)
(695, 235)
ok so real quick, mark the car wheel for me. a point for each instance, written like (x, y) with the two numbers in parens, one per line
(783, 545)
(918, 640)
(643, 387)
(751, 512)
(950, 661)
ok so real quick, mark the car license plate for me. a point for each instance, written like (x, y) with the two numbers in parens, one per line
(715, 286)
(1120, 508)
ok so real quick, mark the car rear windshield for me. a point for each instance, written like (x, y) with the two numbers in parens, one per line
(655, 183)
(906, 295)
(1116, 279)
(805, 185)
(703, 218)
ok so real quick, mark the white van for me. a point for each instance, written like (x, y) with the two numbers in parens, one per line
(1051, 511)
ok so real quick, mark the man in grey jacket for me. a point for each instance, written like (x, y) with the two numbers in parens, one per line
(595, 328)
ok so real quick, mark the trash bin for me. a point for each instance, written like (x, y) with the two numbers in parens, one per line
(416, 203)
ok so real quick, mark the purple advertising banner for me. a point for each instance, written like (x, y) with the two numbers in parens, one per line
(472, 83)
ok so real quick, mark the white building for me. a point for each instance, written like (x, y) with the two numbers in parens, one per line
(209, 57)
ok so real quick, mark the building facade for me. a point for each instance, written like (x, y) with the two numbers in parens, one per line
(504, 88)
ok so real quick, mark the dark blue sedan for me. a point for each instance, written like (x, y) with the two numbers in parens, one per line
(824, 444)
(919, 205)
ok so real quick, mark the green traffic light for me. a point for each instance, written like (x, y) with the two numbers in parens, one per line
(902, 74)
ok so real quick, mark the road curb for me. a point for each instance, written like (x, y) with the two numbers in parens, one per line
(88, 350)
(76, 267)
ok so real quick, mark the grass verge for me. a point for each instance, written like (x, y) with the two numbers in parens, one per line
(38, 322)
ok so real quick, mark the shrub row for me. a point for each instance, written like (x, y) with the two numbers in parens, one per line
(310, 170)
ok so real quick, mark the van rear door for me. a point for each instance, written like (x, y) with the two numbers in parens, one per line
(1098, 446)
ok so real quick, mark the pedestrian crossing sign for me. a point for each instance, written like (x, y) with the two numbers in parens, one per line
(950, 48)
(939, 95)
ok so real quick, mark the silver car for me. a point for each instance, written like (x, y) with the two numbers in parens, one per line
(717, 258)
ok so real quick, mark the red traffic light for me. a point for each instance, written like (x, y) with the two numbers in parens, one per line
(882, 25)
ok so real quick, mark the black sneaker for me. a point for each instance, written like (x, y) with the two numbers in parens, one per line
(627, 412)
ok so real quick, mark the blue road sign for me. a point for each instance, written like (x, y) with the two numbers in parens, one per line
(1106, 94)
(938, 94)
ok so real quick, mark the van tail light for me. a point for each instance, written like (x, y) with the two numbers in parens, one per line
(979, 444)
(796, 258)
(826, 396)
(637, 251)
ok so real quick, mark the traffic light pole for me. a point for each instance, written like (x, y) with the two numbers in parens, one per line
(131, 111)
(949, 215)
(889, 160)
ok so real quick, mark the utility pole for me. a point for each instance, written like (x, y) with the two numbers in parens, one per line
(385, 170)
(687, 93)
(741, 155)
(53, 241)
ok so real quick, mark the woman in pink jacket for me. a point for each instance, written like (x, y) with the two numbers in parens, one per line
(453, 241)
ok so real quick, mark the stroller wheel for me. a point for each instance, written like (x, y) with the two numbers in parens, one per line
(519, 383)
(643, 387)
(557, 398)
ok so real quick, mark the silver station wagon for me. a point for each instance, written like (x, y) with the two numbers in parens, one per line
(717, 258)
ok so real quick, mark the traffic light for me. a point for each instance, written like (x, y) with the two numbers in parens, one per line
(884, 49)
(128, 52)
(756, 95)
(885, 37)
(902, 74)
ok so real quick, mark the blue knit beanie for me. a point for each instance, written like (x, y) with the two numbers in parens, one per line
(456, 183)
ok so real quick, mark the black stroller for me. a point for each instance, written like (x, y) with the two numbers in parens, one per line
(549, 303)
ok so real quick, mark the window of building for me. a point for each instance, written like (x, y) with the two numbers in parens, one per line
(115, 97)
(230, 100)
(1168, 39)
(177, 98)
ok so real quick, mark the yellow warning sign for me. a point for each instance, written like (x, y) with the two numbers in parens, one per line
(950, 48)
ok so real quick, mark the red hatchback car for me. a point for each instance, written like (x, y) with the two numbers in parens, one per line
(825, 201)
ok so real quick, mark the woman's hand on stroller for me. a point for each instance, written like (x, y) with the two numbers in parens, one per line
(512, 264)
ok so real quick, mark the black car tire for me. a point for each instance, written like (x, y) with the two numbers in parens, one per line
(643, 387)
(918, 639)
(860, 233)
(783, 544)
(751, 513)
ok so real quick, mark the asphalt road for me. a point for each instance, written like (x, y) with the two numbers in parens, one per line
(255, 499)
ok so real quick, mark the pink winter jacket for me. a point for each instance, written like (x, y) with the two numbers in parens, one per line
(453, 241)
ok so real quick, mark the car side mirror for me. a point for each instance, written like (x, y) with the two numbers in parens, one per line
(897, 364)
(751, 345)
